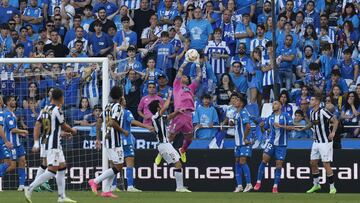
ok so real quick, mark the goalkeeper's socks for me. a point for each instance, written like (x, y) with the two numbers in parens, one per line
(129, 176)
(261, 171)
(179, 178)
(108, 173)
(238, 173)
(60, 181)
(247, 173)
(47, 175)
(277, 176)
(21, 173)
(3, 168)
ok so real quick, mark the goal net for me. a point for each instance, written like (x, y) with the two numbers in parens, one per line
(85, 82)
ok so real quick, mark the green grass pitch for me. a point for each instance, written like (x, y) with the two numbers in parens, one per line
(195, 197)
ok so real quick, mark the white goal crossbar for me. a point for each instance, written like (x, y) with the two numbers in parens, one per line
(105, 83)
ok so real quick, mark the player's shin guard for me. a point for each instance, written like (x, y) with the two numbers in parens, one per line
(60, 181)
(108, 173)
(22, 175)
(330, 180)
(277, 177)
(3, 168)
(129, 176)
(247, 173)
(261, 171)
(179, 178)
(186, 142)
(47, 175)
(316, 179)
(238, 174)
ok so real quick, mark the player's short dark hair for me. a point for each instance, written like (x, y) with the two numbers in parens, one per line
(153, 106)
(57, 94)
(8, 98)
(116, 93)
(318, 97)
(299, 112)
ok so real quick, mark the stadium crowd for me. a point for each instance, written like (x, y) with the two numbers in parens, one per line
(316, 52)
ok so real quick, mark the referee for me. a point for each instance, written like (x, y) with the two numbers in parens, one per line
(322, 147)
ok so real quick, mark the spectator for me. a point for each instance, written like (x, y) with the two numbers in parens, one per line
(91, 119)
(79, 35)
(165, 53)
(7, 11)
(59, 49)
(237, 76)
(259, 41)
(132, 90)
(242, 56)
(167, 14)
(105, 23)
(38, 50)
(143, 109)
(29, 113)
(311, 16)
(78, 114)
(100, 44)
(288, 31)
(142, 19)
(303, 66)
(163, 87)
(71, 85)
(254, 75)
(336, 97)
(176, 43)
(71, 33)
(180, 30)
(315, 80)
(350, 113)
(110, 8)
(60, 28)
(27, 44)
(224, 90)
(336, 80)
(205, 117)
(19, 53)
(217, 52)
(349, 68)
(151, 34)
(305, 95)
(245, 31)
(347, 38)
(32, 15)
(304, 107)
(266, 12)
(151, 73)
(123, 12)
(247, 7)
(89, 80)
(124, 38)
(131, 62)
(310, 39)
(289, 12)
(87, 18)
(300, 121)
(284, 100)
(189, 14)
(5, 40)
(211, 15)
(299, 27)
(349, 14)
(286, 56)
(327, 61)
(46, 100)
(32, 36)
(228, 28)
(269, 80)
(199, 30)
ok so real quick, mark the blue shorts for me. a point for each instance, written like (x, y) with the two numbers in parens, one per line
(17, 152)
(5, 152)
(129, 151)
(243, 151)
(278, 152)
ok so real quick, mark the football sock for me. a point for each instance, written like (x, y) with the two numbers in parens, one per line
(261, 171)
(47, 175)
(129, 176)
(108, 173)
(60, 181)
(238, 174)
(277, 177)
(247, 174)
(22, 175)
(179, 178)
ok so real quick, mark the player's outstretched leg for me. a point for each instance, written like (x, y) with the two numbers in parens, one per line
(47, 175)
(21, 173)
(60, 182)
(186, 143)
(260, 175)
(277, 180)
(107, 174)
(315, 174)
(238, 176)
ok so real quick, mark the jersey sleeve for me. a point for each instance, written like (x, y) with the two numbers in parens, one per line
(289, 120)
(59, 115)
(129, 116)
(116, 113)
(245, 117)
(326, 113)
(1, 119)
(39, 117)
(10, 121)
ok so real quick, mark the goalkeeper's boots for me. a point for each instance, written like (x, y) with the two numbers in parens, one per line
(314, 189)
(158, 159)
(109, 195)
(133, 189)
(182, 155)
(27, 194)
(66, 200)
(333, 191)
(93, 186)
(182, 189)
(46, 187)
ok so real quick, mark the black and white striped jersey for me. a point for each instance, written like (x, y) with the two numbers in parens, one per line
(113, 111)
(52, 119)
(45, 119)
(159, 123)
(320, 120)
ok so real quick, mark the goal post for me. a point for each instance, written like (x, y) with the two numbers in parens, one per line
(104, 80)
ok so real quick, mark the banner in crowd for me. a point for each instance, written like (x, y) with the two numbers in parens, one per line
(208, 170)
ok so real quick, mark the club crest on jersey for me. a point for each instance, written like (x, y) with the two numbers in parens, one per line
(186, 89)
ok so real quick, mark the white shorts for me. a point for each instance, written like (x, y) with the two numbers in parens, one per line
(323, 151)
(54, 157)
(42, 151)
(116, 155)
(168, 152)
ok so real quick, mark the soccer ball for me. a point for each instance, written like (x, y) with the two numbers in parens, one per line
(192, 55)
